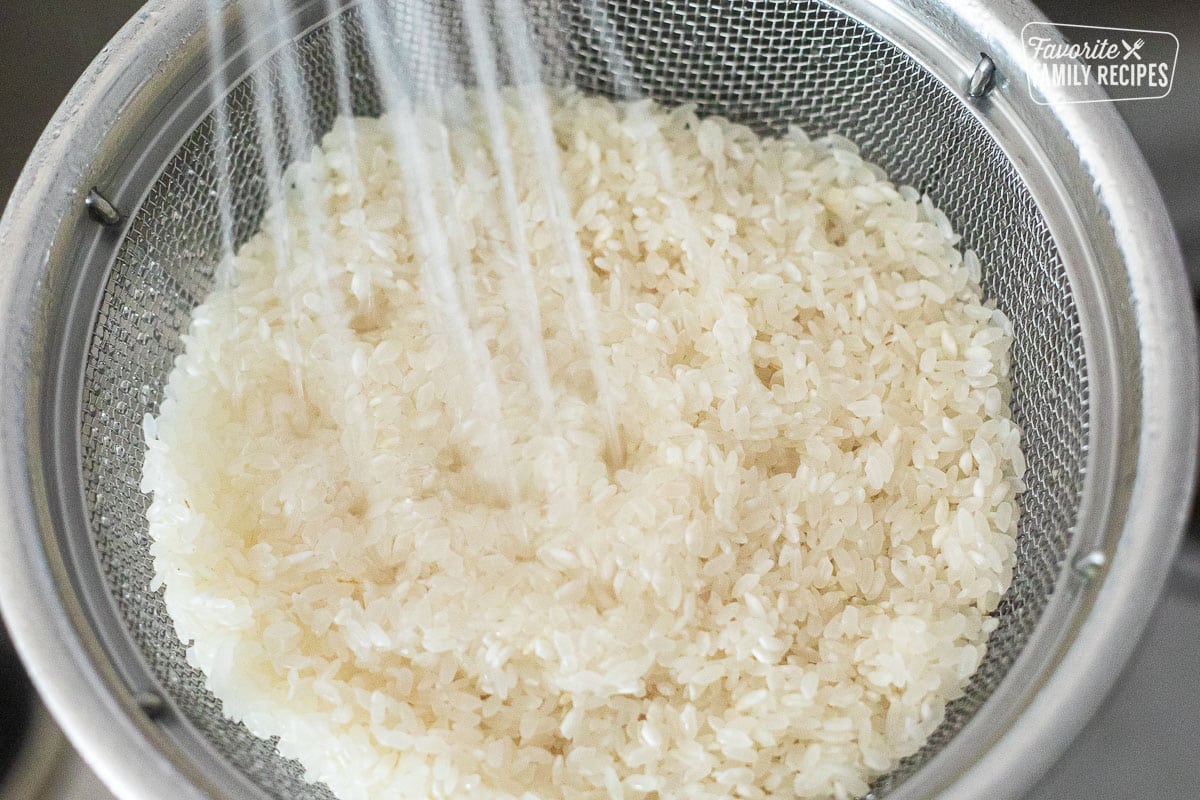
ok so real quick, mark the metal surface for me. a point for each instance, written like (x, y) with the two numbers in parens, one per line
(1142, 744)
(1092, 283)
(31, 776)
(46, 768)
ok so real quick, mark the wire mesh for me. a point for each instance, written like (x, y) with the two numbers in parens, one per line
(766, 63)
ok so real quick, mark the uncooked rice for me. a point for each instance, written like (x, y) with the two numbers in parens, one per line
(433, 582)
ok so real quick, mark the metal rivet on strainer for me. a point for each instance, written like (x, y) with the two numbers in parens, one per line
(983, 78)
(152, 704)
(1090, 564)
(101, 209)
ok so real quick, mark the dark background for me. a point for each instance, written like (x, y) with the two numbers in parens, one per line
(1145, 742)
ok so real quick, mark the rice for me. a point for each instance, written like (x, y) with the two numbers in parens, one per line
(772, 590)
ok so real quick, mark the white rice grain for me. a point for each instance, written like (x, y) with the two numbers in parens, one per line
(775, 594)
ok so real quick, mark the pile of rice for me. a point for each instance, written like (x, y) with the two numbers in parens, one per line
(772, 590)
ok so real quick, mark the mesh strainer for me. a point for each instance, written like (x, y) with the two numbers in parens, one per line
(1054, 199)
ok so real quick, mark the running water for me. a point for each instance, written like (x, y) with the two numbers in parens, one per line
(698, 255)
(409, 54)
(521, 288)
(221, 138)
(524, 297)
(522, 60)
(301, 129)
(272, 148)
(439, 273)
(339, 45)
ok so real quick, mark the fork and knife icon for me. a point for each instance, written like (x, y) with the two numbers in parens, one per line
(1132, 49)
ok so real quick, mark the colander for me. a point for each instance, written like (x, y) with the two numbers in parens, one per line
(113, 231)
